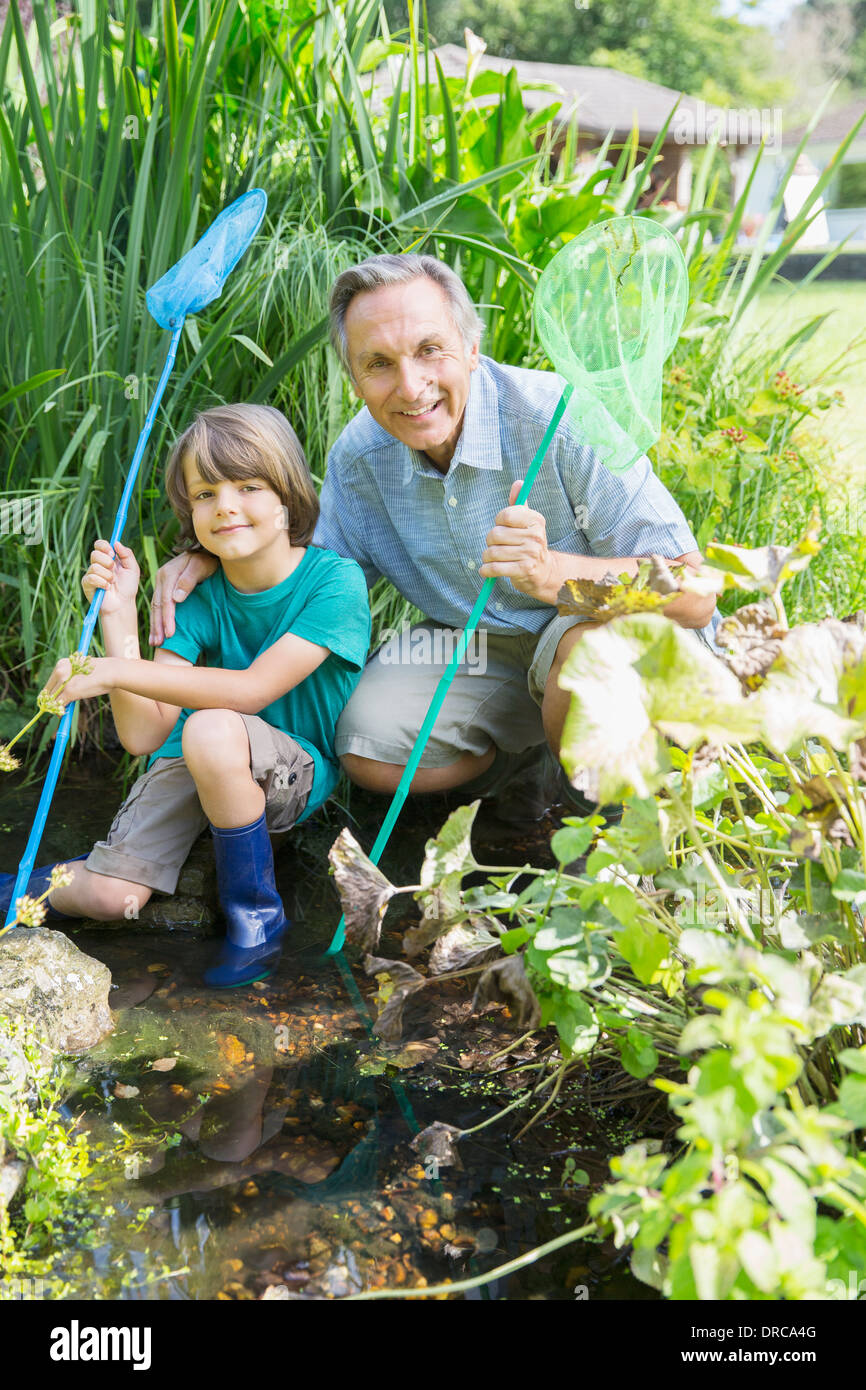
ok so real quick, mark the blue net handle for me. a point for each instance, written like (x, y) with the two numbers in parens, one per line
(61, 738)
(191, 284)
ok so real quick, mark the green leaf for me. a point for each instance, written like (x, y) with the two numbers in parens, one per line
(575, 1022)
(562, 928)
(450, 852)
(854, 1058)
(633, 681)
(32, 384)
(618, 897)
(852, 1098)
(570, 842)
(849, 886)
(759, 1261)
(637, 1053)
(512, 940)
(644, 947)
(252, 347)
(768, 567)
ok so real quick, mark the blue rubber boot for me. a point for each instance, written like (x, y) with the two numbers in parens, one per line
(36, 885)
(251, 905)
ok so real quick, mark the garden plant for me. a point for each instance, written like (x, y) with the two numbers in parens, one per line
(716, 930)
(712, 946)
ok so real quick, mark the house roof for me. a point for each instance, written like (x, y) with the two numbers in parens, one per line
(834, 125)
(605, 100)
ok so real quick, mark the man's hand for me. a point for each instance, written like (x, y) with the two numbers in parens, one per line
(174, 580)
(517, 549)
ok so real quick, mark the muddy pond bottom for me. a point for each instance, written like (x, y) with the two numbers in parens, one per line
(258, 1141)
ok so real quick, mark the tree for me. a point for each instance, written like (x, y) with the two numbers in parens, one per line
(691, 48)
(835, 32)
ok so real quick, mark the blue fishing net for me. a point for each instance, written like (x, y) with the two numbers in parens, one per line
(198, 277)
(608, 310)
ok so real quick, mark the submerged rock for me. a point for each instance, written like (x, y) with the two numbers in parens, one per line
(193, 907)
(61, 993)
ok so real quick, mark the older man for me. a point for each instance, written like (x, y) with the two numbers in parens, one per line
(420, 487)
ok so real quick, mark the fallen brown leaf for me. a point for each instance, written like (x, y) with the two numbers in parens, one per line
(164, 1064)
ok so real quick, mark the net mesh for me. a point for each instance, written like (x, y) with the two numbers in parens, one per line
(608, 310)
(198, 277)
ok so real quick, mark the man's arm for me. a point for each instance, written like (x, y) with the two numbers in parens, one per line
(689, 610)
(517, 550)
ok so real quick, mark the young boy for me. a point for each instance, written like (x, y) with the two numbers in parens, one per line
(246, 741)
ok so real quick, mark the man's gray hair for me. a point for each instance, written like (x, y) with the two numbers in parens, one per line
(379, 271)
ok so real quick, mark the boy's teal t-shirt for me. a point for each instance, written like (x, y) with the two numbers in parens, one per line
(324, 601)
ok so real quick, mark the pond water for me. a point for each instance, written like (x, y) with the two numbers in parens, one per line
(262, 1136)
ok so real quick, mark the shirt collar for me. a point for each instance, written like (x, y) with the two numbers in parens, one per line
(479, 444)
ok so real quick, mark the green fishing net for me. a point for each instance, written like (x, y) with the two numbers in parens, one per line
(608, 310)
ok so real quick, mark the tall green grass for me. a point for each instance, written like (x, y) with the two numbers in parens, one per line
(119, 143)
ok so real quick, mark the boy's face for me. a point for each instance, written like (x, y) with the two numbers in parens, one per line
(234, 519)
(410, 365)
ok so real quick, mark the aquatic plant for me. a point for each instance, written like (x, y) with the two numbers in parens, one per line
(739, 864)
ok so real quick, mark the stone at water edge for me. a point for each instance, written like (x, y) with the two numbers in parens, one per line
(61, 993)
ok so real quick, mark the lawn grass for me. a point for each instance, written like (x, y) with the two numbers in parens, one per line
(835, 356)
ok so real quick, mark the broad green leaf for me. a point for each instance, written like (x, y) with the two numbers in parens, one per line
(790, 1196)
(854, 1058)
(644, 947)
(562, 928)
(759, 1260)
(512, 940)
(852, 1098)
(638, 678)
(450, 852)
(447, 857)
(575, 1022)
(849, 886)
(571, 842)
(638, 1053)
(607, 732)
(768, 567)
(617, 897)
(802, 697)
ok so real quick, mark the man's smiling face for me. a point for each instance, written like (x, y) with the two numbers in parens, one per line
(410, 365)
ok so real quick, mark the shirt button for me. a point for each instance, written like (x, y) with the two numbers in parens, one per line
(470, 564)
(498, 606)
(452, 501)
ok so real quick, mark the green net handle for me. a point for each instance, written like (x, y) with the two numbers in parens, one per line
(448, 675)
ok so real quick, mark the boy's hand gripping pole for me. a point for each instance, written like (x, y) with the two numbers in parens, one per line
(192, 283)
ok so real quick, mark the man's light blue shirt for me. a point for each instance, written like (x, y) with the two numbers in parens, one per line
(384, 505)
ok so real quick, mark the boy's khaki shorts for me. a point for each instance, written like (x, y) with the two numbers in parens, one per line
(495, 696)
(160, 820)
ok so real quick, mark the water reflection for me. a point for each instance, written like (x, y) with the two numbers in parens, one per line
(263, 1157)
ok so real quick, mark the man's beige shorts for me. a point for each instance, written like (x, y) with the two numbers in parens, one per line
(160, 820)
(495, 696)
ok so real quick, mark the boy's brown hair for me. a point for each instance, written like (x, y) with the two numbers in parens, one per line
(245, 441)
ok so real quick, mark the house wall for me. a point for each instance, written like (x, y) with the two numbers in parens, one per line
(672, 168)
(841, 222)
